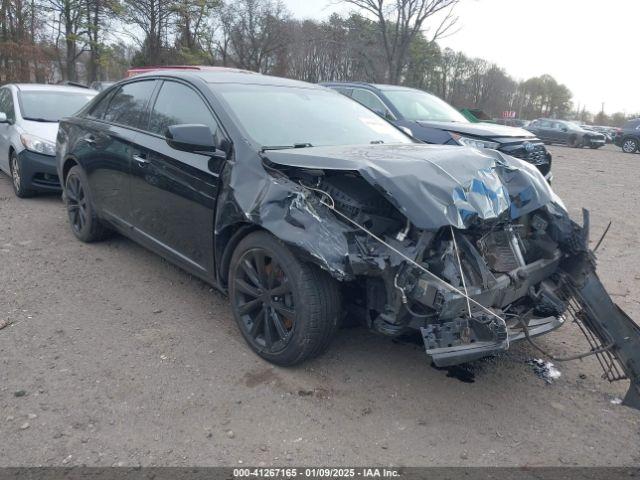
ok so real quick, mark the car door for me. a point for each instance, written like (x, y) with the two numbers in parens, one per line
(543, 131)
(560, 132)
(173, 193)
(7, 107)
(107, 145)
(534, 127)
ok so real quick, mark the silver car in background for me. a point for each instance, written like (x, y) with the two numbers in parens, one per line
(29, 116)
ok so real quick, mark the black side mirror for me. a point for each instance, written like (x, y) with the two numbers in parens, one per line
(192, 138)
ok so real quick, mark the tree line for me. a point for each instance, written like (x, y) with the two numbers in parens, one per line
(381, 41)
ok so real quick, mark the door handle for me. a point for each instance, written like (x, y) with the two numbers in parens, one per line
(90, 139)
(141, 159)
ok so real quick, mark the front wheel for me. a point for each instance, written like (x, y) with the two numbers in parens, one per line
(19, 182)
(287, 310)
(629, 145)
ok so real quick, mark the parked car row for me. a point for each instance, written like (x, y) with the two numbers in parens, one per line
(566, 133)
(308, 208)
(431, 120)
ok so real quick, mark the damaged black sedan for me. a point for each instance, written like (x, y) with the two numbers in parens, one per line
(307, 208)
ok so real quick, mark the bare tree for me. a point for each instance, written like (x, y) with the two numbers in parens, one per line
(253, 33)
(191, 22)
(22, 54)
(153, 17)
(400, 21)
(98, 15)
(68, 19)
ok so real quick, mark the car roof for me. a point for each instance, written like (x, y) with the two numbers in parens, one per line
(224, 75)
(207, 68)
(373, 86)
(40, 87)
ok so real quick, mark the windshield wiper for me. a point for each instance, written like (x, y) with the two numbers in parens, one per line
(39, 119)
(285, 147)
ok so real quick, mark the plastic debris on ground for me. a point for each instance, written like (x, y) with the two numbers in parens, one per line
(544, 369)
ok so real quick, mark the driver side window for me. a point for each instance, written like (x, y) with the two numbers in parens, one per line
(178, 104)
(369, 100)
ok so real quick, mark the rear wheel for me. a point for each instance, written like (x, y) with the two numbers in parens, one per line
(17, 179)
(629, 145)
(287, 310)
(85, 224)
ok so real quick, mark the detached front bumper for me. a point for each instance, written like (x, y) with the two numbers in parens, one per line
(39, 171)
(454, 355)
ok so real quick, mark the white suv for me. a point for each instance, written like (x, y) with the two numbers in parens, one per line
(29, 115)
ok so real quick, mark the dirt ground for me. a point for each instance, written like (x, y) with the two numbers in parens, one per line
(116, 357)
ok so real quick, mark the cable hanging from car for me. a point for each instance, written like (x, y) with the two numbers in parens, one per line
(331, 206)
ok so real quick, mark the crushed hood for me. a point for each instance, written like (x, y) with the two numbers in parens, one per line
(482, 129)
(434, 185)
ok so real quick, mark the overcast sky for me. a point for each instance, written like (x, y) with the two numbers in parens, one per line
(589, 45)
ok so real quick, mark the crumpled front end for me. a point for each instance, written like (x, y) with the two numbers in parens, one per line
(472, 250)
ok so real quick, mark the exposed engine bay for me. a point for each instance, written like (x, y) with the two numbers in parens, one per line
(470, 287)
(470, 253)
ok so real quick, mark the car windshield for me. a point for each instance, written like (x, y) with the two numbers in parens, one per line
(415, 105)
(51, 106)
(283, 116)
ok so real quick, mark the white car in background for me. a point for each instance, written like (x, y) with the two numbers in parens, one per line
(29, 116)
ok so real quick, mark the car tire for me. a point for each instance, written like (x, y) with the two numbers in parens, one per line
(573, 141)
(17, 179)
(84, 222)
(629, 145)
(287, 310)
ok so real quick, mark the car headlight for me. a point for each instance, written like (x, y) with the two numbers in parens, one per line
(37, 144)
(474, 142)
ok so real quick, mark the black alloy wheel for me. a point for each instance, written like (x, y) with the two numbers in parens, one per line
(85, 224)
(264, 301)
(76, 203)
(287, 310)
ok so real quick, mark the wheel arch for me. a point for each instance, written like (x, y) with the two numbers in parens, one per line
(225, 242)
(67, 165)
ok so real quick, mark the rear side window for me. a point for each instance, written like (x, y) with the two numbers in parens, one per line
(127, 106)
(179, 104)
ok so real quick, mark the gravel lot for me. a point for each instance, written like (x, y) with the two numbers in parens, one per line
(115, 357)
